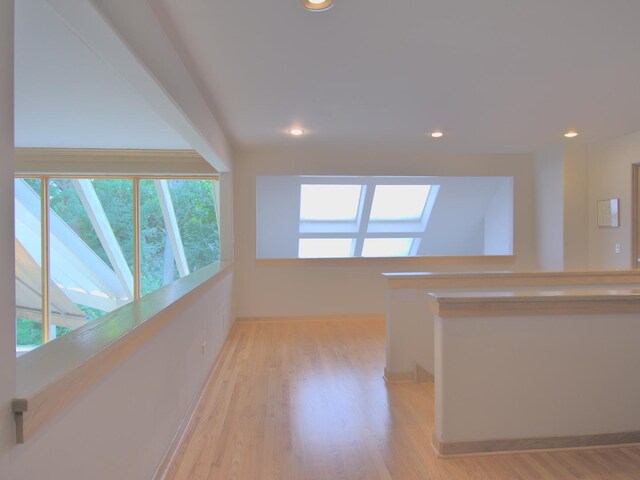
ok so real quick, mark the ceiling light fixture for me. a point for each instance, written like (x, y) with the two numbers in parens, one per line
(571, 134)
(296, 132)
(317, 5)
(437, 134)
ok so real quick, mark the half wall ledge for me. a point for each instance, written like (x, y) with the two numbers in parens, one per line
(82, 357)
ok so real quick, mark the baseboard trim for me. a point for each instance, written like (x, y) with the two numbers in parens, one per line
(572, 442)
(307, 318)
(399, 377)
(171, 451)
(423, 375)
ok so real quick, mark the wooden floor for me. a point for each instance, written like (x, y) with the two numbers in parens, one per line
(306, 400)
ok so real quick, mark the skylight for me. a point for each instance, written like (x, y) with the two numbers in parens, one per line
(329, 202)
(399, 202)
(345, 216)
(324, 247)
(387, 247)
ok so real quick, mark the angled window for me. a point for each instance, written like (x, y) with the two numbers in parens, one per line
(178, 230)
(76, 255)
(383, 216)
(399, 202)
(91, 246)
(370, 218)
(335, 203)
(387, 247)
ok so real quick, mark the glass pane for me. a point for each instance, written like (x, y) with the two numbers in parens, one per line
(178, 228)
(324, 247)
(329, 202)
(157, 265)
(28, 264)
(91, 249)
(399, 202)
(387, 247)
(193, 202)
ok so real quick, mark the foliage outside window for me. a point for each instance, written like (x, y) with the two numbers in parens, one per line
(94, 225)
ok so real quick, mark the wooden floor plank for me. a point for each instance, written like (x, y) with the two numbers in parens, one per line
(306, 401)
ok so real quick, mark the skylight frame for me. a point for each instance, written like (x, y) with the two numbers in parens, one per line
(364, 227)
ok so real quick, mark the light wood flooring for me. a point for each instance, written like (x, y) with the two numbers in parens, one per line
(306, 400)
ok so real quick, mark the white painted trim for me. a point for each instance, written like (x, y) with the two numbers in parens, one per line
(88, 161)
(440, 280)
(509, 303)
(381, 261)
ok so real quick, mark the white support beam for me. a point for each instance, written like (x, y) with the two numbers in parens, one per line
(93, 207)
(366, 203)
(225, 221)
(215, 185)
(171, 223)
(128, 36)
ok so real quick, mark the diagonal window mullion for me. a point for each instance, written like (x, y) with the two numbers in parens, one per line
(365, 214)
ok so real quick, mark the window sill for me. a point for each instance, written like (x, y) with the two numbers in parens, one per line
(440, 280)
(80, 358)
(369, 261)
(535, 303)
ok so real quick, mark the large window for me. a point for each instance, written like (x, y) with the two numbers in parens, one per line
(341, 217)
(101, 243)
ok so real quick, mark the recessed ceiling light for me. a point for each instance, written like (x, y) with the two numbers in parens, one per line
(571, 134)
(296, 132)
(317, 5)
(437, 134)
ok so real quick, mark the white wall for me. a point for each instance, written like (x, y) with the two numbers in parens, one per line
(456, 224)
(498, 221)
(610, 174)
(536, 376)
(123, 425)
(549, 188)
(570, 179)
(576, 208)
(7, 275)
(278, 214)
(326, 290)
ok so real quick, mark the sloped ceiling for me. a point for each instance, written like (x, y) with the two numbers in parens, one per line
(66, 96)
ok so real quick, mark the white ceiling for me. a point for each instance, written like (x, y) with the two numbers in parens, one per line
(66, 96)
(495, 75)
